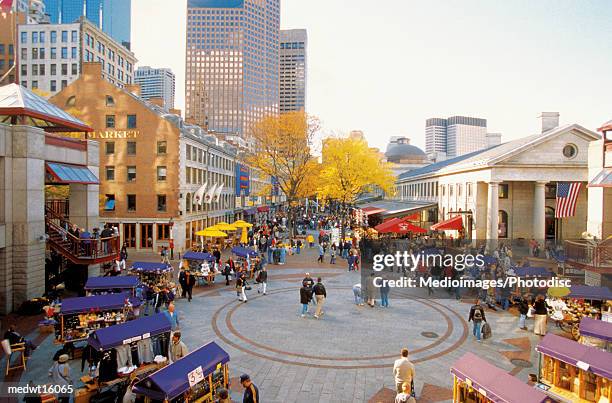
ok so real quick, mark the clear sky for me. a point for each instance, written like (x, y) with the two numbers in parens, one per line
(386, 66)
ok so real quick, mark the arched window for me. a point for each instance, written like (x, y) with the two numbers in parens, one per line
(110, 101)
(188, 202)
(502, 231)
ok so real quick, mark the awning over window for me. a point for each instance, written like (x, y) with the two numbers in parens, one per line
(64, 173)
(454, 223)
(263, 209)
(603, 179)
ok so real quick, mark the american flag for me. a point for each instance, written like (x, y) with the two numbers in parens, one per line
(567, 194)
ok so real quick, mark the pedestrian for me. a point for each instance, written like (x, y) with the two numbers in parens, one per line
(404, 396)
(241, 285)
(61, 375)
(403, 371)
(172, 317)
(298, 246)
(540, 315)
(178, 349)
(305, 296)
(187, 281)
(321, 254)
(310, 240)
(357, 294)
(251, 392)
(262, 280)
(477, 316)
(130, 396)
(164, 255)
(384, 294)
(332, 252)
(351, 259)
(223, 396)
(523, 311)
(320, 295)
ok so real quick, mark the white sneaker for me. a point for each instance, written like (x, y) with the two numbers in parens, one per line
(303, 316)
(316, 316)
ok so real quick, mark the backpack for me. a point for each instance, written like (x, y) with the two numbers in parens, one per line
(477, 314)
(486, 331)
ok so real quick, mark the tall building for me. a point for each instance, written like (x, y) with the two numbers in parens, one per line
(232, 72)
(293, 69)
(457, 135)
(51, 55)
(156, 83)
(112, 16)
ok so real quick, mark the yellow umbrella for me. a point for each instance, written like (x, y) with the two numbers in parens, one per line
(223, 226)
(242, 224)
(211, 232)
(558, 292)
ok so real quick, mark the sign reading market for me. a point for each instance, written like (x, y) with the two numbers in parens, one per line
(114, 134)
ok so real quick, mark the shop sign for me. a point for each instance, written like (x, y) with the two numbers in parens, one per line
(196, 376)
(583, 365)
(114, 134)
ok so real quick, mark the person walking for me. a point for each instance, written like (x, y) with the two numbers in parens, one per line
(523, 311)
(223, 396)
(320, 295)
(298, 246)
(351, 259)
(405, 395)
(251, 392)
(357, 294)
(241, 287)
(305, 296)
(61, 374)
(262, 279)
(477, 316)
(332, 253)
(321, 253)
(172, 317)
(187, 281)
(384, 294)
(403, 371)
(540, 315)
(178, 349)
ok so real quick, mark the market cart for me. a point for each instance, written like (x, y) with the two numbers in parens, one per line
(153, 274)
(194, 378)
(146, 338)
(596, 333)
(582, 302)
(242, 254)
(570, 371)
(477, 381)
(112, 285)
(194, 261)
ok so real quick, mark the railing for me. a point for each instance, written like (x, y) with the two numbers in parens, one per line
(59, 207)
(597, 255)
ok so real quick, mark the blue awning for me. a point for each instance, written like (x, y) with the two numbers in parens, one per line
(151, 267)
(109, 205)
(243, 252)
(171, 381)
(590, 292)
(109, 283)
(98, 302)
(64, 173)
(533, 272)
(198, 256)
(134, 330)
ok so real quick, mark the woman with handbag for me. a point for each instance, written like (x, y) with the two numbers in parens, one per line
(241, 286)
(540, 315)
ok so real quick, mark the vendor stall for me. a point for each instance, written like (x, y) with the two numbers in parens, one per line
(530, 273)
(111, 285)
(585, 302)
(596, 333)
(154, 274)
(243, 254)
(142, 342)
(477, 381)
(201, 265)
(78, 317)
(570, 371)
(194, 378)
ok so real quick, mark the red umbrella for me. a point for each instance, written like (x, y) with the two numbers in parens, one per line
(399, 226)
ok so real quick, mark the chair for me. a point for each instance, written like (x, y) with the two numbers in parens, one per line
(9, 350)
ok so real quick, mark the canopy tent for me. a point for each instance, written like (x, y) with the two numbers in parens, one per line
(96, 302)
(151, 267)
(198, 256)
(399, 226)
(498, 384)
(169, 382)
(597, 361)
(134, 330)
(66, 173)
(453, 223)
(110, 283)
(243, 252)
(590, 292)
(533, 272)
(596, 328)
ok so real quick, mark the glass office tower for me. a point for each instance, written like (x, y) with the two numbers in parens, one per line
(232, 63)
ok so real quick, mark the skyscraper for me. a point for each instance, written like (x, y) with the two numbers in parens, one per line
(456, 135)
(112, 16)
(232, 72)
(156, 83)
(293, 69)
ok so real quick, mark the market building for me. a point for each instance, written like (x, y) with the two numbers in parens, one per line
(162, 180)
(508, 191)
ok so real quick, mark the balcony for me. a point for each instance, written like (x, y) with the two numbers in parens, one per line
(590, 255)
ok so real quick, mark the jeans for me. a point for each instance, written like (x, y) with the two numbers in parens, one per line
(345, 253)
(357, 296)
(476, 329)
(505, 303)
(333, 260)
(269, 254)
(384, 298)
(297, 250)
(304, 309)
(522, 320)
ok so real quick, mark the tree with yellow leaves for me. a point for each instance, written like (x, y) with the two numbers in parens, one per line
(283, 150)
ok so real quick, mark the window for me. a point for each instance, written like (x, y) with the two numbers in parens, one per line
(41, 69)
(53, 36)
(131, 173)
(503, 191)
(109, 203)
(73, 52)
(64, 69)
(34, 53)
(161, 202)
(11, 49)
(550, 191)
(570, 151)
(24, 37)
(162, 147)
(75, 69)
(469, 189)
(54, 69)
(161, 173)
(24, 70)
(110, 101)
(502, 226)
(131, 202)
(163, 230)
(53, 53)
(451, 189)
(35, 84)
(110, 147)
(64, 36)
(64, 53)
(459, 190)
(110, 121)
(131, 121)
(53, 86)
(443, 191)
(110, 173)
(131, 148)
(24, 54)
(1, 48)
(34, 37)
(188, 152)
(73, 36)
(64, 84)
(41, 37)
(41, 53)
(35, 69)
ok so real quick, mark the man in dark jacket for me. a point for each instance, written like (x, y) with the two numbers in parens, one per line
(187, 281)
(477, 316)
(251, 392)
(320, 294)
(262, 280)
(305, 297)
(523, 310)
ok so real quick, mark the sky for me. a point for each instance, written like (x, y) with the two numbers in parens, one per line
(384, 67)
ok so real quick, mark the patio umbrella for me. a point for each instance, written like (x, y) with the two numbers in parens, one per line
(223, 226)
(211, 232)
(558, 292)
(242, 224)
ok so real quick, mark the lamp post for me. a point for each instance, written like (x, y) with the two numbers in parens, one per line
(171, 225)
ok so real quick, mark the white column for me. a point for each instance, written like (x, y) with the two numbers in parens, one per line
(539, 218)
(492, 214)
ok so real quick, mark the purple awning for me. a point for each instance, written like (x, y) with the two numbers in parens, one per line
(113, 336)
(98, 302)
(113, 282)
(571, 352)
(596, 328)
(198, 256)
(497, 383)
(151, 267)
(243, 252)
(590, 292)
